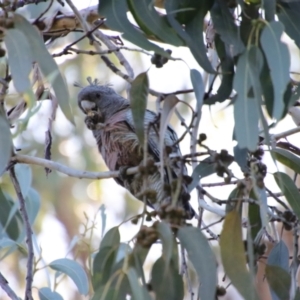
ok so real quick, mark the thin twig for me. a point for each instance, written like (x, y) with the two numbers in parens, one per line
(286, 133)
(28, 230)
(7, 289)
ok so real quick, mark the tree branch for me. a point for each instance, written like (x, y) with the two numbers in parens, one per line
(6, 288)
(28, 230)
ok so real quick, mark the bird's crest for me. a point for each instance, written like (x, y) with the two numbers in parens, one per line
(92, 82)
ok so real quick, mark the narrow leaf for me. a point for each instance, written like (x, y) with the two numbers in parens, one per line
(152, 23)
(205, 168)
(202, 258)
(74, 270)
(234, 257)
(289, 190)
(19, 59)
(167, 239)
(277, 51)
(198, 87)
(167, 283)
(287, 158)
(24, 176)
(279, 256)
(227, 69)
(111, 238)
(116, 19)
(46, 63)
(246, 114)
(138, 103)
(255, 223)
(226, 27)
(138, 291)
(46, 294)
(193, 33)
(279, 281)
(289, 16)
(166, 113)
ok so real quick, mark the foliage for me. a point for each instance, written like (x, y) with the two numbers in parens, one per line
(250, 73)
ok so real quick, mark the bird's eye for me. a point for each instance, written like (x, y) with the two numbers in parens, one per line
(98, 96)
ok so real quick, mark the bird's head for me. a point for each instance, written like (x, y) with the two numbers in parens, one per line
(96, 98)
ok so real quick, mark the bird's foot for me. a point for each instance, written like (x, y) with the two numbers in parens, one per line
(123, 173)
(94, 120)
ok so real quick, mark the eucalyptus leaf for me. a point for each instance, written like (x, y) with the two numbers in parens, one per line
(167, 283)
(116, 19)
(227, 69)
(289, 16)
(226, 27)
(205, 168)
(276, 50)
(138, 291)
(152, 23)
(46, 63)
(193, 33)
(167, 239)
(287, 158)
(279, 281)
(202, 258)
(246, 113)
(47, 294)
(234, 257)
(289, 190)
(138, 102)
(74, 270)
(19, 58)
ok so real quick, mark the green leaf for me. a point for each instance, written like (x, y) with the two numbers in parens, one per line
(289, 16)
(138, 291)
(226, 27)
(152, 23)
(5, 144)
(279, 281)
(235, 194)
(74, 270)
(205, 168)
(111, 238)
(167, 283)
(255, 223)
(167, 240)
(199, 89)
(138, 102)
(46, 63)
(116, 19)
(103, 265)
(202, 258)
(166, 113)
(193, 33)
(46, 294)
(11, 220)
(240, 157)
(33, 204)
(246, 114)
(227, 69)
(267, 86)
(19, 59)
(278, 52)
(279, 256)
(234, 257)
(287, 158)
(24, 176)
(269, 7)
(289, 190)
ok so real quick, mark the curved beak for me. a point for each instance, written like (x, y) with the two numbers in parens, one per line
(87, 105)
